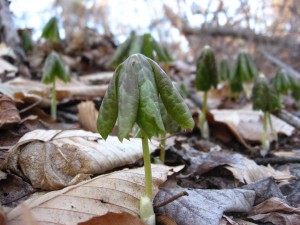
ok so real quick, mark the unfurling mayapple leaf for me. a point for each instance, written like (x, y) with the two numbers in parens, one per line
(206, 74)
(53, 68)
(224, 70)
(265, 97)
(136, 88)
(51, 31)
(282, 82)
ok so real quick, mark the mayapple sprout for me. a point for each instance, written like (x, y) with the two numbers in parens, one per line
(54, 68)
(245, 72)
(224, 70)
(144, 44)
(206, 77)
(51, 31)
(134, 95)
(266, 99)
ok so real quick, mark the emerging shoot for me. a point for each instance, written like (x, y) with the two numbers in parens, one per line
(51, 31)
(245, 72)
(266, 99)
(134, 95)
(206, 77)
(53, 68)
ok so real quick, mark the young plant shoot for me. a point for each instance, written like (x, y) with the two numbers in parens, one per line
(224, 71)
(245, 72)
(206, 77)
(51, 31)
(144, 44)
(134, 95)
(266, 99)
(53, 68)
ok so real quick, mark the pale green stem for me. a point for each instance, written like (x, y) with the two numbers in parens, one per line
(264, 139)
(147, 165)
(274, 133)
(204, 107)
(203, 122)
(53, 101)
(163, 149)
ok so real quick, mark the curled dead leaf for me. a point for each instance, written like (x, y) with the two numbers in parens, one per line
(53, 159)
(88, 122)
(114, 192)
(9, 114)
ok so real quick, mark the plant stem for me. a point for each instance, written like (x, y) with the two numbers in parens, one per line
(53, 101)
(147, 165)
(203, 122)
(163, 149)
(264, 139)
(204, 108)
(274, 133)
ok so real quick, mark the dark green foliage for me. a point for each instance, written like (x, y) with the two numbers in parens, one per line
(134, 95)
(245, 71)
(295, 87)
(282, 82)
(53, 68)
(206, 73)
(144, 44)
(51, 30)
(265, 97)
(224, 70)
(26, 40)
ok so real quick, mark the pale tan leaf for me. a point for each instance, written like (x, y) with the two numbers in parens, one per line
(53, 159)
(88, 122)
(97, 78)
(248, 125)
(115, 192)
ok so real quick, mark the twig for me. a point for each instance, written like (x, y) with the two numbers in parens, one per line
(172, 199)
(277, 160)
(288, 117)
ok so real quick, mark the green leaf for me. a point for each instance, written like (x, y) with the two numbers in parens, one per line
(252, 70)
(136, 45)
(108, 111)
(171, 98)
(206, 73)
(121, 52)
(53, 68)
(160, 54)
(265, 97)
(147, 49)
(51, 31)
(26, 40)
(282, 82)
(128, 97)
(170, 125)
(224, 70)
(149, 115)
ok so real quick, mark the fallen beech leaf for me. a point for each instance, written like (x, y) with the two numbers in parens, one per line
(22, 90)
(3, 220)
(244, 170)
(97, 78)
(276, 211)
(248, 125)
(165, 220)
(53, 159)
(114, 219)
(88, 122)
(27, 218)
(9, 114)
(203, 206)
(115, 192)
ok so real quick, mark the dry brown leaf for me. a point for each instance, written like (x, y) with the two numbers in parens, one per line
(53, 159)
(22, 90)
(203, 206)
(9, 114)
(97, 78)
(247, 124)
(114, 219)
(165, 220)
(27, 218)
(115, 192)
(276, 211)
(3, 220)
(243, 169)
(88, 122)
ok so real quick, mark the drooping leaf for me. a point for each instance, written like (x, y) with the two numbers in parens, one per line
(51, 31)
(295, 87)
(26, 41)
(149, 116)
(147, 49)
(136, 45)
(206, 73)
(265, 97)
(53, 68)
(128, 97)
(170, 125)
(160, 54)
(252, 70)
(108, 111)
(282, 82)
(121, 52)
(171, 98)
(224, 70)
